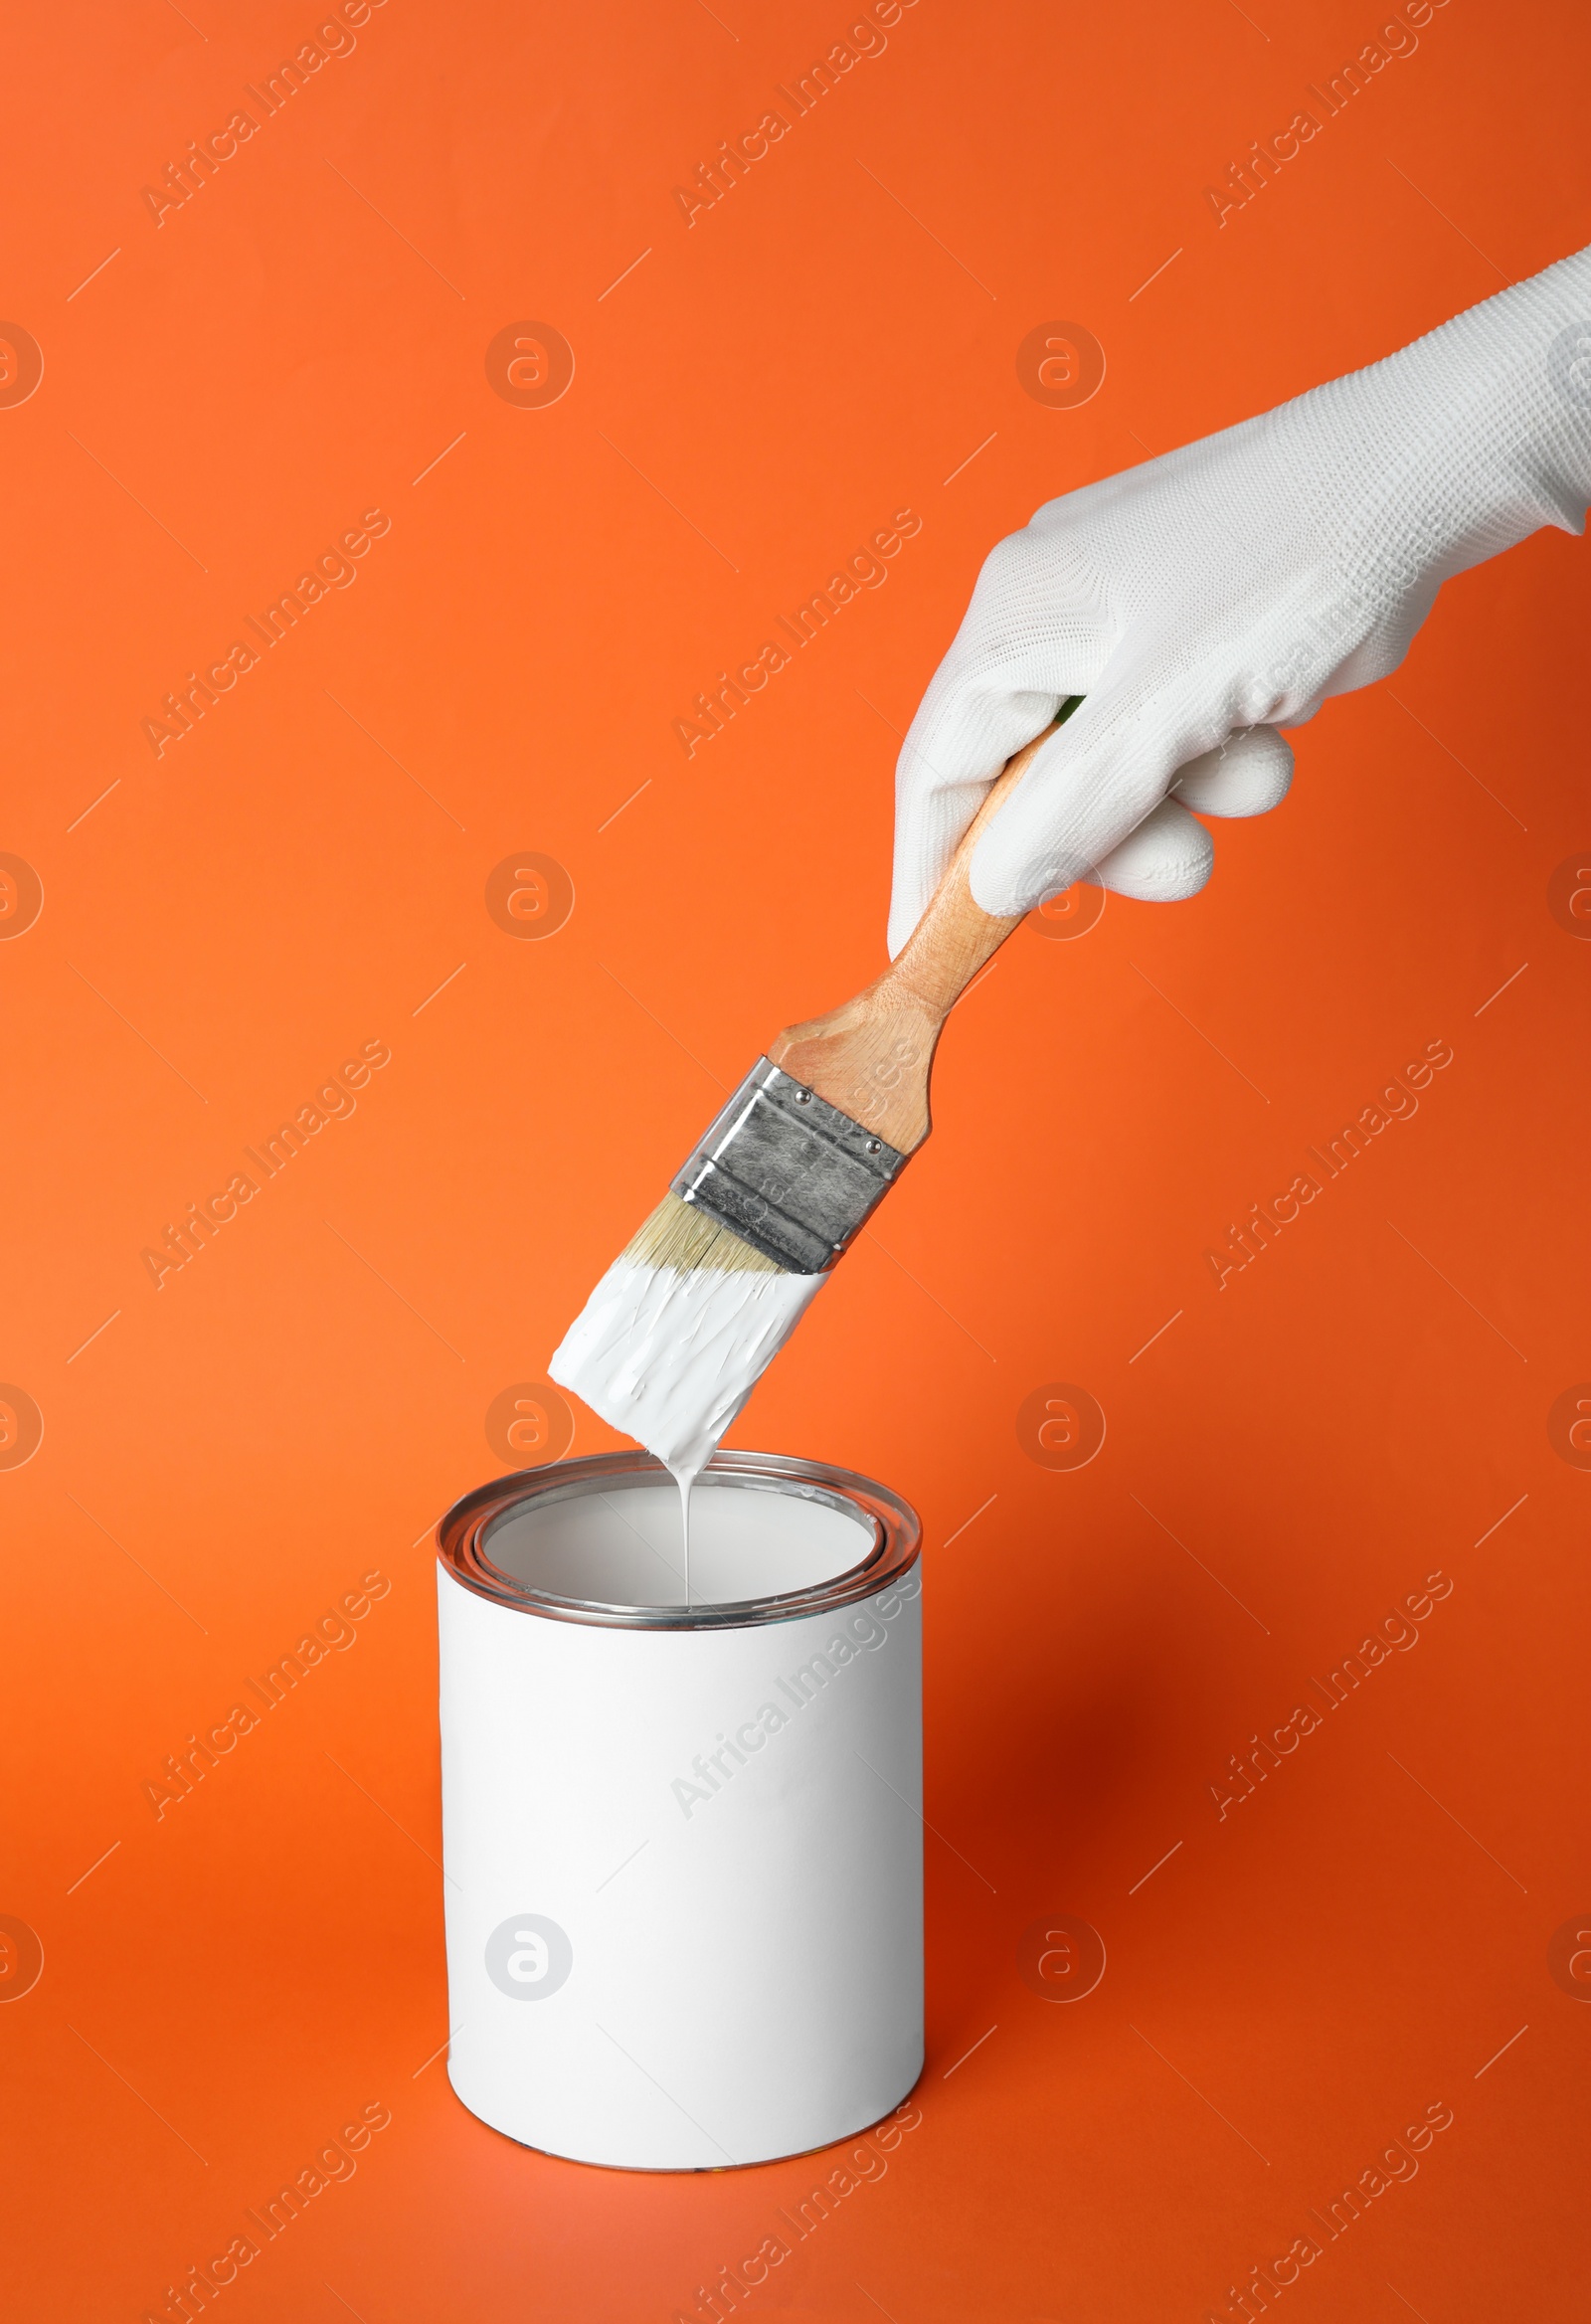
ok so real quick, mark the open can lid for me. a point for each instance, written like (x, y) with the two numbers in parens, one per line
(888, 1533)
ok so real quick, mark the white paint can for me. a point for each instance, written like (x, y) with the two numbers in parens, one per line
(682, 1840)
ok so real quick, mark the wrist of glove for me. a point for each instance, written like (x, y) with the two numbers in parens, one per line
(1203, 599)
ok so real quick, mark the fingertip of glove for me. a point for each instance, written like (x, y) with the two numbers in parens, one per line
(1168, 859)
(1250, 773)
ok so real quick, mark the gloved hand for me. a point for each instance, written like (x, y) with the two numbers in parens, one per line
(1205, 598)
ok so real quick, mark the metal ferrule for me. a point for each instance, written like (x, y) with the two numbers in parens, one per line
(788, 1173)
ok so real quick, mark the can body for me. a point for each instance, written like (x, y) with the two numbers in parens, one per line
(683, 1841)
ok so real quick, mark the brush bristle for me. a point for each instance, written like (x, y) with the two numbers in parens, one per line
(679, 1236)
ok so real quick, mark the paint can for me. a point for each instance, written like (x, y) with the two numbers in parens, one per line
(682, 1835)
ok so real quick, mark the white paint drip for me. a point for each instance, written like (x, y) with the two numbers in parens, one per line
(670, 1357)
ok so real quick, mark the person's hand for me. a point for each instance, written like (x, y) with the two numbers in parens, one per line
(1206, 597)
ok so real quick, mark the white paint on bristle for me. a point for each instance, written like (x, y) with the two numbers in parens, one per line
(670, 1357)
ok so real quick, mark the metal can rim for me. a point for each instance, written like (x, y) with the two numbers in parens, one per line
(461, 1537)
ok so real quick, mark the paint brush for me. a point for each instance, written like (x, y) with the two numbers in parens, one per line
(681, 1328)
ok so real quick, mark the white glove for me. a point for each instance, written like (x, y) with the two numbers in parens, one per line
(1198, 601)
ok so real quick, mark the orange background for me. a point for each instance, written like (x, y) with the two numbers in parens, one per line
(301, 343)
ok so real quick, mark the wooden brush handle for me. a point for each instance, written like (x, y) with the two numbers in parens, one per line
(872, 1056)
